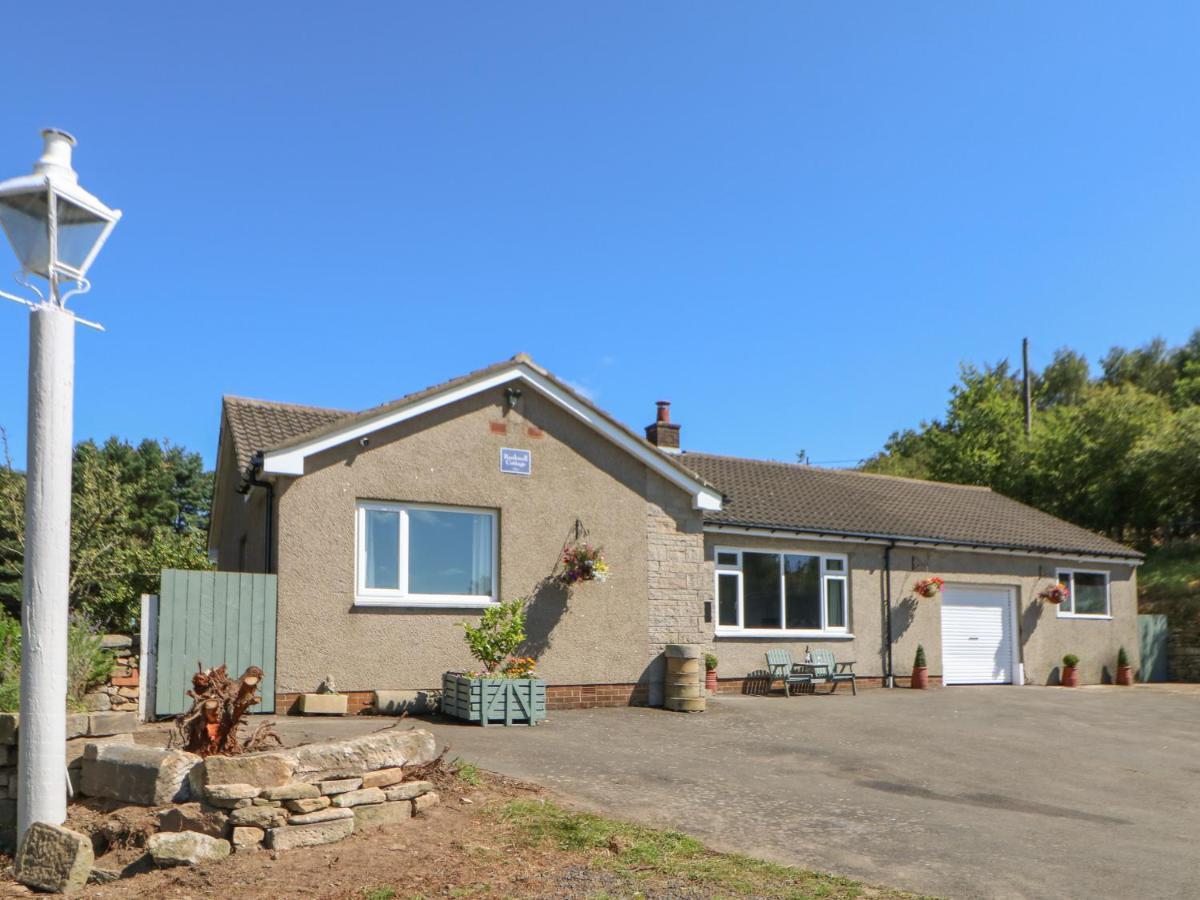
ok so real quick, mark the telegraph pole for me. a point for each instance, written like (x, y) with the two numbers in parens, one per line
(1028, 388)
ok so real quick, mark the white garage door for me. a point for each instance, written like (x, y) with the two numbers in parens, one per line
(977, 636)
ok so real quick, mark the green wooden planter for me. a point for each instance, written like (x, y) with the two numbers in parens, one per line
(488, 701)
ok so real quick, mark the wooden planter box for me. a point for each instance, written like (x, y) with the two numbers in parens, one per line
(494, 700)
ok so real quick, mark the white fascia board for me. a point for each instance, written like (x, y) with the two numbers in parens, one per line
(784, 534)
(290, 461)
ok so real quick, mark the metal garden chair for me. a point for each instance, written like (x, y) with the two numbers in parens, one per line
(823, 668)
(781, 668)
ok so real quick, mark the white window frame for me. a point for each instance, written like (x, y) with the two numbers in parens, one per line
(825, 631)
(1100, 617)
(365, 596)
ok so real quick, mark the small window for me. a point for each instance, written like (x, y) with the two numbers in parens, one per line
(424, 555)
(761, 593)
(1088, 594)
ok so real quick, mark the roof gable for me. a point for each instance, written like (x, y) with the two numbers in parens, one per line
(790, 497)
(287, 456)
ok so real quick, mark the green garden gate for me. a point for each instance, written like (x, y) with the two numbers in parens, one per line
(210, 618)
(1152, 636)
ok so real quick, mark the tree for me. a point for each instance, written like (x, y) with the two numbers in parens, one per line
(1063, 382)
(134, 512)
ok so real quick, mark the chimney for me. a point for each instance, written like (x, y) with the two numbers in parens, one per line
(664, 434)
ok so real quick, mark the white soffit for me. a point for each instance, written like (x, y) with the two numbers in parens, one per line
(290, 460)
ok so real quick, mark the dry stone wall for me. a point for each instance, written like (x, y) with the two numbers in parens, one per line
(1183, 651)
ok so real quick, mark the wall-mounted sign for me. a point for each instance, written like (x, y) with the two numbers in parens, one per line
(516, 462)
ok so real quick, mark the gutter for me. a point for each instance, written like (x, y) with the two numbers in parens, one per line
(254, 481)
(1134, 558)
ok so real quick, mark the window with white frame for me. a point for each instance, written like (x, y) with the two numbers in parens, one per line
(768, 594)
(418, 555)
(1087, 594)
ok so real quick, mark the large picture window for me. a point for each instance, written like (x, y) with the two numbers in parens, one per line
(410, 555)
(1088, 594)
(770, 594)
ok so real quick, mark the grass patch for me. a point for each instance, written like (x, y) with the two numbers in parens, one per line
(468, 772)
(380, 893)
(648, 855)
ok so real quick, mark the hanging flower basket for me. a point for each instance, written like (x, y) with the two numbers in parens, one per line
(929, 587)
(583, 562)
(1056, 593)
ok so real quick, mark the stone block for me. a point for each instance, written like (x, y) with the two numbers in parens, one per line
(116, 642)
(329, 814)
(263, 801)
(185, 848)
(379, 814)
(425, 801)
(76, 748)
(262, 769)
(133, 774)
(290, 837)
(355, 756)
(193, 817)
(259, 816)
(247, 837)
(383, 777)
(306, 805)
(339, 785)
(230, 792)
(8, 727)
(358, 798)
(409, 790)
(77, 725)
(234, 803)
(396, 703)
(130, 680)
(323, 704)
(104, 723)
(297, 790)
(54, 859)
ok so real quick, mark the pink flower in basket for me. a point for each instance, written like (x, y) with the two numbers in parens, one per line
(1056, 593)
(929, 587)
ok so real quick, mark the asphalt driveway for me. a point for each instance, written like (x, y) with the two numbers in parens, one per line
(960, 792)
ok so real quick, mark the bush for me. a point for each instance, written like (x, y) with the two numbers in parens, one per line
(1122, 658)
(501, 630)
(919, 662)
(710, 662)
(88, 663)
(1070, 661)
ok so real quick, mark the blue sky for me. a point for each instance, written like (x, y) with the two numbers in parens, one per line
(794, 220)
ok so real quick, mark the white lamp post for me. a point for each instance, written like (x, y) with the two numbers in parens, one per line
(56, 228)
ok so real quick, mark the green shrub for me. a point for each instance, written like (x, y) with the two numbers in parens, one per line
(501, 630)
(710, 662)
(1122, 658)
(1070, 661)
(88, 663)
(919, 662)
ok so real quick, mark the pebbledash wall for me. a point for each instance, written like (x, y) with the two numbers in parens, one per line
(598, 644)
(1043, 636)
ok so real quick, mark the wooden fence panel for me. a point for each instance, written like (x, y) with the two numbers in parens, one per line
(210, 619)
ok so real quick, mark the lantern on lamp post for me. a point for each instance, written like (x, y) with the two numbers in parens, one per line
(56, 228)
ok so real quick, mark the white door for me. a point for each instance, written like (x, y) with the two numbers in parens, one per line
(977, 635)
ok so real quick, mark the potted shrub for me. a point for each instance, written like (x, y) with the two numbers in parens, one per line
(710, 672)
(929, 587)
(920, 672)
(1124, 669)
(1070, 672)
(508, 689)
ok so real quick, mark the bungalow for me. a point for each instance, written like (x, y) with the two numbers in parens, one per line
(388, 527)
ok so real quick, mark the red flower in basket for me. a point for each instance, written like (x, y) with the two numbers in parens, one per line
(929, 587)
(1056, 593)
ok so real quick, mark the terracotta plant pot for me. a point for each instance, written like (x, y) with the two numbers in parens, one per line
(920, 678)
(1125, 675)
(1070, 676)
(710, 681)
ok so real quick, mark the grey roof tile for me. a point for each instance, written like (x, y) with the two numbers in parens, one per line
(256, 425)
(786, 496)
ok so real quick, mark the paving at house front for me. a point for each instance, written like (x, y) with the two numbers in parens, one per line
(959, 792)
